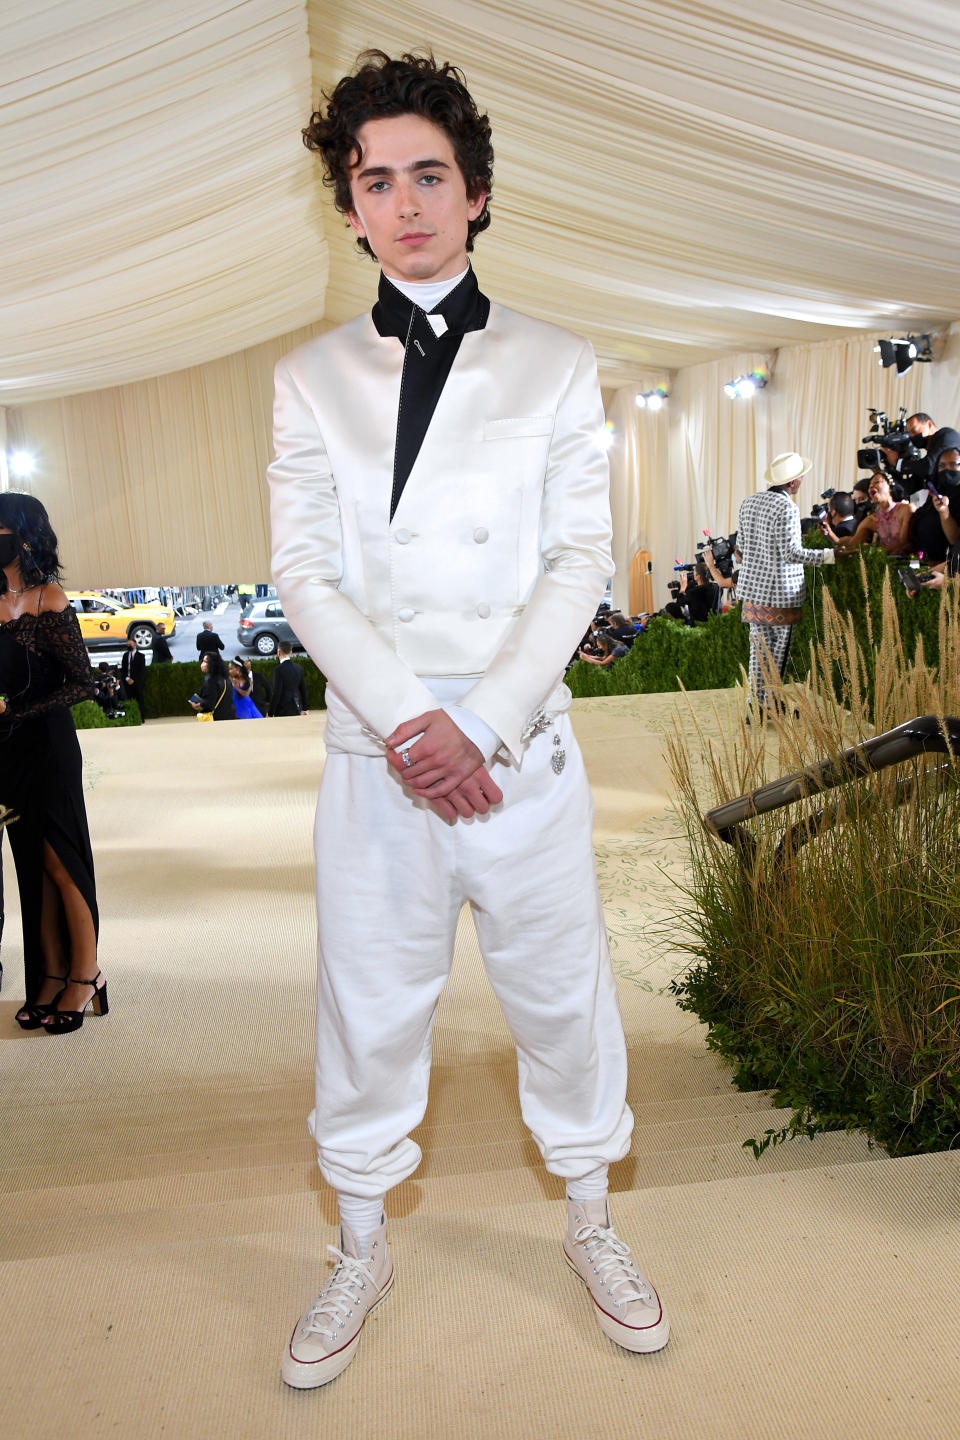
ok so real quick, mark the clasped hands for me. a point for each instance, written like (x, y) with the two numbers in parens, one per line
(445, 767)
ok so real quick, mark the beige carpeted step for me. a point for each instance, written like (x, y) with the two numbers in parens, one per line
(55, 1218)
(488, 1335)
(162, 1220)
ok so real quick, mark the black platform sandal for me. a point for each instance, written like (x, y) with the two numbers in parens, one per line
(61, 1022)
(31, 1017)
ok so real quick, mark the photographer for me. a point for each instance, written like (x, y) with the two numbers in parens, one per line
(841, 513)
(701, 598)
(724, 583)
(933, 527)
(945, 500)
(923, 431)
(609, 651)
(621, 628)
(771, 584)
(902, 447)
(107, 689)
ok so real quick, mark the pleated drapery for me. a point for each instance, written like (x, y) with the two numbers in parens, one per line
(162, 480)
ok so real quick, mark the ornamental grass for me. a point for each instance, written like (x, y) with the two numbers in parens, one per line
(831, 974)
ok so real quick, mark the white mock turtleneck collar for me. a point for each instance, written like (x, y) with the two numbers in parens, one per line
(427, 293)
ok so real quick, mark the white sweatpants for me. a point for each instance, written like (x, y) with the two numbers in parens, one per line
(391, 880)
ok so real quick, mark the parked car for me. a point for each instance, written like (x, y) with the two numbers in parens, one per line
(104, 621)
(262, 628)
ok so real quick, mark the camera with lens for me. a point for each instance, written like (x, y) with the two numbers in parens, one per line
(913, 467)
(722, 550)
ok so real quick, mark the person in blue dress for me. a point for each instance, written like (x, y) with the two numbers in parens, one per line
(244, 706)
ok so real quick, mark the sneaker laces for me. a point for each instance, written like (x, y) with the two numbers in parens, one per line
(338, 1297)
(614, 1264)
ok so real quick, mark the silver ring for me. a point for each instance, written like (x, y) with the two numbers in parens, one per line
(405, 757)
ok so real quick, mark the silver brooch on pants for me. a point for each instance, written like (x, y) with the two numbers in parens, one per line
(559, 757)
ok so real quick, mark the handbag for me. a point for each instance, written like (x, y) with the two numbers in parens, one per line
(208, 714)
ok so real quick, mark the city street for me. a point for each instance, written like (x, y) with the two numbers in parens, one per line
(183, 644)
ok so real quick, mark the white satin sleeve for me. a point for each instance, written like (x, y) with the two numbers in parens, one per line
(575, 552)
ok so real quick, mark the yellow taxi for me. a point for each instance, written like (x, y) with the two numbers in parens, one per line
(106, 621)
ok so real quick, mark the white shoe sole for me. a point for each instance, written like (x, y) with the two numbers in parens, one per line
(639, 1342)
(311, 1374)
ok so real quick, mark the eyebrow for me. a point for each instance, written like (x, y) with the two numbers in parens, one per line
(380, 170)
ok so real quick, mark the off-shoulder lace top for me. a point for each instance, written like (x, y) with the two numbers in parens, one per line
(43, 664)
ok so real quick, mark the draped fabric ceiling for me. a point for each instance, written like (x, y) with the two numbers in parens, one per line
(679, 180)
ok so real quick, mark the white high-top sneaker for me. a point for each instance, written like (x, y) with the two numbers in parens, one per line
(328, 1332)
(627, 1306)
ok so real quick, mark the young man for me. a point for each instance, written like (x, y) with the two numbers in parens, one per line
(441, 540)
(289, 693)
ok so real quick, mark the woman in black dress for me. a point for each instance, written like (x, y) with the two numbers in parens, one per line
(44, 670)
(216, 692)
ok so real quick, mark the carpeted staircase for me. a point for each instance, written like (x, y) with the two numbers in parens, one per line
(162, 1221)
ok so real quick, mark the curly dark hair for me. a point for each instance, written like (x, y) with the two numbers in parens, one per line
(29, 521)
(413, 85)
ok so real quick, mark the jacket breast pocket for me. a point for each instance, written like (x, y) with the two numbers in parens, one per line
(518, 428)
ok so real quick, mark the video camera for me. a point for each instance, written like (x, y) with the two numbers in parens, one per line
(914, 467)
(722, 549)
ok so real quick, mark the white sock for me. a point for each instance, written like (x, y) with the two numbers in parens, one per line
(362, 1216)
(592, 1186)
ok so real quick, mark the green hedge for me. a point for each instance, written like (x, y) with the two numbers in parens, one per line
(701, 657)
(167, 687)
(89, 716)
(917, 618)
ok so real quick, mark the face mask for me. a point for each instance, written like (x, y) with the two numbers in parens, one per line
(9, 550)
(948, 477)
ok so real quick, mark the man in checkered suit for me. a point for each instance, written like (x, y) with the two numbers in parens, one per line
(771, 582)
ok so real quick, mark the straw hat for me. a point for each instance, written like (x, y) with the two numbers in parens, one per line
(786, 467)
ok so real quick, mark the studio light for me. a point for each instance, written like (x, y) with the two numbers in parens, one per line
(21, 464)
(744, 387)
(904, 351)
(651, 399)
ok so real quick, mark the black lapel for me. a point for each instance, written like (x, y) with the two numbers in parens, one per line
(427, 360)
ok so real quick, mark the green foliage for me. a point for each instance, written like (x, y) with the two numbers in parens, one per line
(89, 716)
(832, 976)
(167, 687)
(856, 586)
(670, 655)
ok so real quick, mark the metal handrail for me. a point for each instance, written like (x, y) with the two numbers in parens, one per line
(927, 734)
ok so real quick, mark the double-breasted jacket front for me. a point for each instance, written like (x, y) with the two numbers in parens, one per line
(499, 549)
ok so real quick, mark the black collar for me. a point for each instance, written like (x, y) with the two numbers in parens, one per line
(465, 308)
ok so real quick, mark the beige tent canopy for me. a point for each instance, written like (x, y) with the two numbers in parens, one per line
(697, 188)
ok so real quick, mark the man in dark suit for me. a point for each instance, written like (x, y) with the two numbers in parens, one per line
(289, 695)
(208, 639)
(162, 654)
(133, 669)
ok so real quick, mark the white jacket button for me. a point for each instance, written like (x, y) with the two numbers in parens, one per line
(483, 610)
(406, 614)
(480, 535)
(402, 537)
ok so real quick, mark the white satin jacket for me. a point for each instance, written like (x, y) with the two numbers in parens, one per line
(499, 550)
